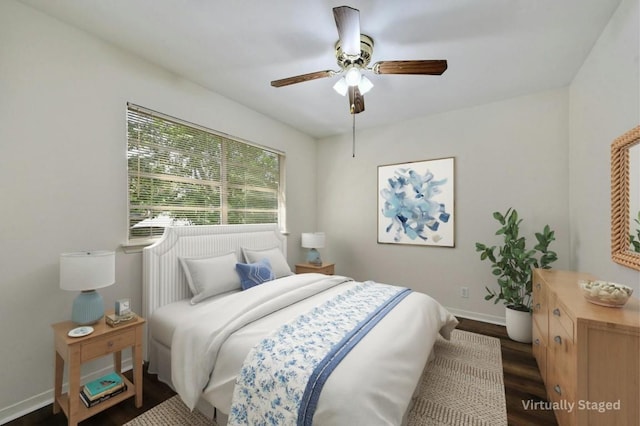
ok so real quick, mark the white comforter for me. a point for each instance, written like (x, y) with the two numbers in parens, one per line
(372, 385)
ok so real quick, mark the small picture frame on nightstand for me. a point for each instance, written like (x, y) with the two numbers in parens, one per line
(123, 307)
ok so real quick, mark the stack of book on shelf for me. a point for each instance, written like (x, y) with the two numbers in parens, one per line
(102, 389)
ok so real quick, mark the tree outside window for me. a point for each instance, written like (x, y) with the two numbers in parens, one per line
(185, 174)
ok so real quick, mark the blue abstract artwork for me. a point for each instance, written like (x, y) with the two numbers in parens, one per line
(416, 203)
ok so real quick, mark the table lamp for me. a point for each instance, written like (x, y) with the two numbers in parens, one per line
(313, 241)
(85, 272)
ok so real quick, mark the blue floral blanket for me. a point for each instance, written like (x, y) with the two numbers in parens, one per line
(213, 338)
(282, 377)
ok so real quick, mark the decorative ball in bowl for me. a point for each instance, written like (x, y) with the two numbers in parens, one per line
(605, 293)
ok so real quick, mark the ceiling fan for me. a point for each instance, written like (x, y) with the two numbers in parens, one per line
(353, 54)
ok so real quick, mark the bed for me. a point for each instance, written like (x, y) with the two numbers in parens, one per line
(205, 334)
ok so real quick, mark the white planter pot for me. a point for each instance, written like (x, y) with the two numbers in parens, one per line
(518, 325)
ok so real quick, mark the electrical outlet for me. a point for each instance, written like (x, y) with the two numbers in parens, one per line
(464, 292)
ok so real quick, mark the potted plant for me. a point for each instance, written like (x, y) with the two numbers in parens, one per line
(512, 263)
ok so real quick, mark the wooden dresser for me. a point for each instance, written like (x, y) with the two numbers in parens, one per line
(588, 355)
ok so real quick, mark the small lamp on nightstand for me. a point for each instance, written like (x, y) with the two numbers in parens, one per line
(313, 241)
(85, 272)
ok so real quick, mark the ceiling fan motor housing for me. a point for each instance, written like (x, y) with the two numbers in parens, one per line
(362, 60)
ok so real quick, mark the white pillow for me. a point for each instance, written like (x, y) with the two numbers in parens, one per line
(211, 275)
(279, 264)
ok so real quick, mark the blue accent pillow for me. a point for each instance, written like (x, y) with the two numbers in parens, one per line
(252, 274)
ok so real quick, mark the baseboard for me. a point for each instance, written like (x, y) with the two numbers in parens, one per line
(43, 399)
(492, 319)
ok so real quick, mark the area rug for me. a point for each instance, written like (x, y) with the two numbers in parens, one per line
(462, 386)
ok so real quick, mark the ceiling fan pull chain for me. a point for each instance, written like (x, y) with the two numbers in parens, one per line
(353, 146)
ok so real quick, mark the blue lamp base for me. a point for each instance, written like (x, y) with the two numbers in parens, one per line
(313, 257)
(88, 308)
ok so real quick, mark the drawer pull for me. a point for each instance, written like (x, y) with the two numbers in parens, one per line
(537, 342)
(538, 286)
(556, 312)
(557, 389)
(110, 344)
(537, 306)
(558, 340)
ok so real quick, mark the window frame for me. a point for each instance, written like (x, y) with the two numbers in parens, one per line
(138, 242)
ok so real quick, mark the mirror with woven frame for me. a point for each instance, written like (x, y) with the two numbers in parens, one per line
(625, 199)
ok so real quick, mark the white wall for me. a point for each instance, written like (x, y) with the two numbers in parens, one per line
(63, 176)
(513, 153)
(604, 104)
(507, 154)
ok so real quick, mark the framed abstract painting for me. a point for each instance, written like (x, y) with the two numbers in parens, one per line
(416, 203)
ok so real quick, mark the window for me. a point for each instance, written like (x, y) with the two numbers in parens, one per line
(184, 174)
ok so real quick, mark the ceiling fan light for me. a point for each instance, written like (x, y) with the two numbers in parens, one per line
(365, 85)
(352, 77)
(341, 86)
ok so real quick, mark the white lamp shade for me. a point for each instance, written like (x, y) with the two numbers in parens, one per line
(365, 85)
(313, 240)
(341, 86)
(89, 270)
(352, 76)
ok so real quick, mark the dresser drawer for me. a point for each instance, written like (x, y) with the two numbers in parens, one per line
(539, 307)
(539, 348)
(558, 314)
(564, 408)
(561, 392)
(114, 342)
(562, 363)
(538, 291)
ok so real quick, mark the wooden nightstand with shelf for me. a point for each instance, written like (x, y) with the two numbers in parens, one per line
(75, 351)
(325, 268)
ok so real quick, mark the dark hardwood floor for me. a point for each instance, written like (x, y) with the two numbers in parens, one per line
(522, 383)
(522, 380)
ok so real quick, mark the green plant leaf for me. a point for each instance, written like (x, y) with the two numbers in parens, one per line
(512, 264)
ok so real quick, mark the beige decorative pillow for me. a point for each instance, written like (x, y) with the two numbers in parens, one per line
(278, 263)
(211, 275)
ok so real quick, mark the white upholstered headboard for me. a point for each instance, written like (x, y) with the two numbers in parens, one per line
(163, 280)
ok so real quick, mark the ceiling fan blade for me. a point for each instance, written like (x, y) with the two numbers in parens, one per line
(356, 100)
(348, 24)
(302, 78)
(426, 67)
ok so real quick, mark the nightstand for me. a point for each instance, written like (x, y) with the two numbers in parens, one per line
(104, 340)
(325, 268)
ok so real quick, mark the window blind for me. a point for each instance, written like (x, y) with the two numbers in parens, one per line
(181, 173)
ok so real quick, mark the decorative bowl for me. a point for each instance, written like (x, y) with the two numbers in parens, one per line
(605, 293)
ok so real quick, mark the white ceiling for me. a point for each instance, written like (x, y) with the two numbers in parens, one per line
(496, 49)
